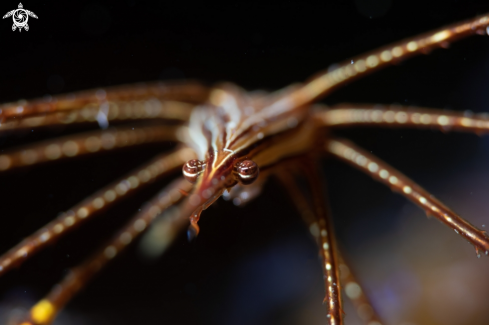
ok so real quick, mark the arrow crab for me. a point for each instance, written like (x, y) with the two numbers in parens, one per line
(231, 143)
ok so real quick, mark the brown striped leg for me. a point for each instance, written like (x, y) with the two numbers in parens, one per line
(398, 182)
(190, 92)
(355, 293)
(347, 115)
(358, 67)
(83, 211)
(324, 232)
(350, 285)
(46, 310)
(327, 246)
(152, 108)
(85, 144)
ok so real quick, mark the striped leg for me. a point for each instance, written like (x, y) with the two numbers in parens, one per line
(84, 144)
(151, 108)
(351, 286)
(398, 182)
(364, 64)
(318, 215)
(354, 292)
(347, 115)
(190, 92)
(83, 211)
(46, 310)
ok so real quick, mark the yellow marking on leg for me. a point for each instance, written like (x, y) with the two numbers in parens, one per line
(43, 312)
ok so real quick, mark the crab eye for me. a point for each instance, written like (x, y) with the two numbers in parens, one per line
(246, 171)
(192, 169)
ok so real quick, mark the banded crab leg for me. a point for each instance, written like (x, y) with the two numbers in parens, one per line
(46, 310)
(398, 182)
(339, 75)
(151, 108)
(346, 115)
(326, 242)
(84, 210)
(84, 144)
(190, 92)
(355, 293)
(350, 284)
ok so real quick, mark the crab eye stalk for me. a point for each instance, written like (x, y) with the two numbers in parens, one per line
(192, 169)
(246, 171)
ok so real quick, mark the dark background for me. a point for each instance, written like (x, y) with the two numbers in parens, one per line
(254, 265)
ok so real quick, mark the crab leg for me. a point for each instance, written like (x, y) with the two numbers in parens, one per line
(346, 115)
(360, 66)
(328, 249)
(152, 108)
(355, 293)
(398, 182)
(326, 241)
(84, 210)
(46, 310)
(84, 144)
(189, 92)
(352, 287)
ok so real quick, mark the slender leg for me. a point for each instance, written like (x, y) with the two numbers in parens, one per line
(352, 287)
(355, 293)
(46, 310)
(326, 242)
(84, 210)
(84, 144)
(364, 64)
(151, 108)
(346, 115)
(398, 182)
(190, 92)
